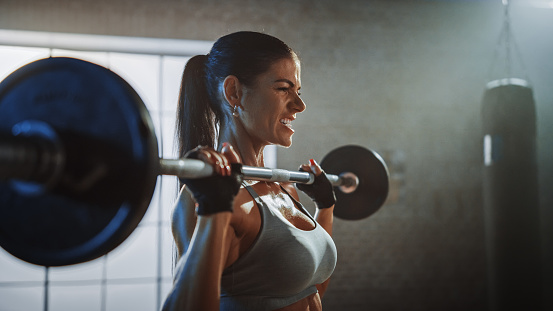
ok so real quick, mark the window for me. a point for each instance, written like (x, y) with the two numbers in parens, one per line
(138, 274)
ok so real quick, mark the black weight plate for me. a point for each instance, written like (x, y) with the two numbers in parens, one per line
(373, 176)
(110, 171)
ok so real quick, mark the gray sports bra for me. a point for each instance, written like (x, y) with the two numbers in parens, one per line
(281, 267)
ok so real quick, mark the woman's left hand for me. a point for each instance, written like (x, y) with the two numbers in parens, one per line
(321, 190)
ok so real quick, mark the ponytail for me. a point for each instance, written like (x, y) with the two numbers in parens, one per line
(196, 120)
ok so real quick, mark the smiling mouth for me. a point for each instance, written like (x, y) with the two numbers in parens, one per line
(287, 123)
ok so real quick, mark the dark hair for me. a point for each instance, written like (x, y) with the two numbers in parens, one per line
(245, 55)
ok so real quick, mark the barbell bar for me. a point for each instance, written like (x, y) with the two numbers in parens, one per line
(79, 162)
(40, 159)
(192, 168)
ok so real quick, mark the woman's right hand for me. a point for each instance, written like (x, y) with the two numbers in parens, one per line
(215, 194)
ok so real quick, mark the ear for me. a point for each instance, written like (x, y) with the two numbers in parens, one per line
(232, 90)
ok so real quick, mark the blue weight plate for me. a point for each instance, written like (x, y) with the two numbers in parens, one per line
(110, 170)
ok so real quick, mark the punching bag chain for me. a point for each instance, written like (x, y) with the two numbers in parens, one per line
(508, 45)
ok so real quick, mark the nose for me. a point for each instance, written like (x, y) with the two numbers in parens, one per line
(299, 105)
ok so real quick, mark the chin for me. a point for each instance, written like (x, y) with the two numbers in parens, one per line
(288, 144)
(285, 142)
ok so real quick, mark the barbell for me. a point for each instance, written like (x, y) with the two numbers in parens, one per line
(79, 163)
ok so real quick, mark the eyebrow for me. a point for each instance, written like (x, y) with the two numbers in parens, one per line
(287, 81)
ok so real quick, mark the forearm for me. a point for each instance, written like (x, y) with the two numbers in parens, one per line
(197, 280)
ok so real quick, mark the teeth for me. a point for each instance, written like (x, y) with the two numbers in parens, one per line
(287, 123)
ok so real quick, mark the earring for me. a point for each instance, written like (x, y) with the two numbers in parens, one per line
(235, 111)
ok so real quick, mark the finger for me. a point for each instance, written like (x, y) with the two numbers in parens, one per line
(224, 164)
(212, 157)
(305, 168)
(221, 163)
(315, 168)
(231, 154)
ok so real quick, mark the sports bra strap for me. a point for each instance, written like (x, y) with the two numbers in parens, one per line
(254, 195)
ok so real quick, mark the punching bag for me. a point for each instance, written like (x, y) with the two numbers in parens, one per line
(510, 189)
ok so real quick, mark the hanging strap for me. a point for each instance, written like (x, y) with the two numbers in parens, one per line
(506, 40)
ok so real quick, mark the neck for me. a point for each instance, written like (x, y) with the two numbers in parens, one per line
(250, 152)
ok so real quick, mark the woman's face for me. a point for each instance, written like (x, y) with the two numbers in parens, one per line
(272, 103)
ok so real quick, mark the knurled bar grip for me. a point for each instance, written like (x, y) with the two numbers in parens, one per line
(275, 174)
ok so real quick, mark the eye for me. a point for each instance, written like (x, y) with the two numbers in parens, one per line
(287, 89)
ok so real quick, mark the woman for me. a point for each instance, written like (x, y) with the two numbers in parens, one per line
(247, 245)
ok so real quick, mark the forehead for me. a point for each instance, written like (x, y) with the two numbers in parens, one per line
(286, 68)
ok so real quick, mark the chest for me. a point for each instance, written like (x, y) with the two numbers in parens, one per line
(278, 201)
(247, 218)
(283, 258)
